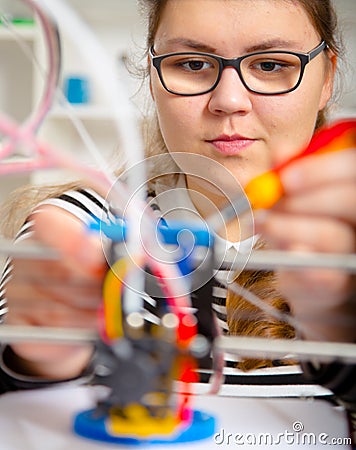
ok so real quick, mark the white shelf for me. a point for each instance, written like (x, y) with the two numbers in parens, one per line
(82, 112)
(24, 32)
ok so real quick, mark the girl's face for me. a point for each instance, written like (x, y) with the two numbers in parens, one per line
(243, 131)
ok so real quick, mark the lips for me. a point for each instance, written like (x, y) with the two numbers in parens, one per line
(231, 145)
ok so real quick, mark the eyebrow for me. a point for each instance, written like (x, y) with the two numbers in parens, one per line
(275, 43)
(194, 45)
(272, 44)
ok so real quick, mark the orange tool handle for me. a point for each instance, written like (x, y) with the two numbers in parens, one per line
(265, 190)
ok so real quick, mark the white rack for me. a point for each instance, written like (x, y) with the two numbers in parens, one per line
(21, 80)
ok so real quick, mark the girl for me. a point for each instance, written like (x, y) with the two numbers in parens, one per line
(243, 84)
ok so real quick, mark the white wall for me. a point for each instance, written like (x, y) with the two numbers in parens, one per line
(347, 20)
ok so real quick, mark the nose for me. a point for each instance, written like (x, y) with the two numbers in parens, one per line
(230, 95)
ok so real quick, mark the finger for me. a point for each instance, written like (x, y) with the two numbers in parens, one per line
(338, 201)
(316, 170)
(41, 270)
(57, 316)
(314, 290)
(49, 309)
(317, 299)
(50, 273)
(38, 298)
(47, 354)
(302, 232)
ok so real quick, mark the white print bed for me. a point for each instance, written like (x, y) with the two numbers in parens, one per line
(42, 420)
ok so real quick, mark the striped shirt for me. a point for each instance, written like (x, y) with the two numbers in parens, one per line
(279, 381)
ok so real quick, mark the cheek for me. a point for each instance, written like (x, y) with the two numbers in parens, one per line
(179, 117)
(291, 122)
(179, 121)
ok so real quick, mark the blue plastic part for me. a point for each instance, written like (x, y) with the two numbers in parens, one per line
(87, 425)
(170, 234)
(114, 231)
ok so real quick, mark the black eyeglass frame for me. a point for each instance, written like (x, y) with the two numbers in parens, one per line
(304, 58)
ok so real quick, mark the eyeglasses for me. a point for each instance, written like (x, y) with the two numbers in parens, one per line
(267, 72)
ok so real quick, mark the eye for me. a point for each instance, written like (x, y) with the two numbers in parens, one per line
(196, 65)
(272, 65)
(190, 64)
(269, 66)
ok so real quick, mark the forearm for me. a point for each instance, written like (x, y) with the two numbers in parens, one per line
(16, 373)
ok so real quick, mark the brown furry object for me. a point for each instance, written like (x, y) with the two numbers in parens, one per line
(245, 319)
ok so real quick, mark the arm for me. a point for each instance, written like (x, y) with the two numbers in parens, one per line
(63, 293)
(318, 214)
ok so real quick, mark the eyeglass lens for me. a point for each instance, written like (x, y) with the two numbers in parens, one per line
(264, 73)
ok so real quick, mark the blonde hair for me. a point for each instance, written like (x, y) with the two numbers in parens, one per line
(21, 202)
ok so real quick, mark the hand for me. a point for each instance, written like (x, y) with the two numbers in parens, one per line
(317, 214)
(60, 293)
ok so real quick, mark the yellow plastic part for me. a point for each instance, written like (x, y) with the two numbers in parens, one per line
(112, 298)
(264, 190)
(139, 423)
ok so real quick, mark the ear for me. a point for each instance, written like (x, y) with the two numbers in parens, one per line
(330, 71)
